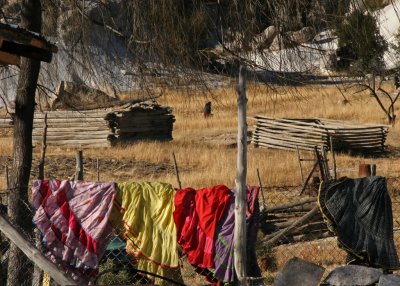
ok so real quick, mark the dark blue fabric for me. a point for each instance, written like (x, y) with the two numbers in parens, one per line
(359, 212)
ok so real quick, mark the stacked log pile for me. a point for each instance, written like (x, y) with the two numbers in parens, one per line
(288, 134)
(356, 137)
(305, 134)
(104, 127)
(141, 122)
(6, 122)
(292, 223)
(72, 128)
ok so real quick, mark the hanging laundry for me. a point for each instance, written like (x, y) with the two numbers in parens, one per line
(73, 219)
(359, 212)
(196, 216)
(143, 214)
(224, 241)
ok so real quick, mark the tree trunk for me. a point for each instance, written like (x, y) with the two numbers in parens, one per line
(240, 200)
(22, 144)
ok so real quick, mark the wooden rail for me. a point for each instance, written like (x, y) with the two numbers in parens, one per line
(304, 134)
(33, 253)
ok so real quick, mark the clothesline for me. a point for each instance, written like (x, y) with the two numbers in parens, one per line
(75, 219)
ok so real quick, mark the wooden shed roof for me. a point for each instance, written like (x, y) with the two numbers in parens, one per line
(16, 42)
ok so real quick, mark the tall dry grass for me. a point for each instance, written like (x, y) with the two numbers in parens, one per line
(204, 164)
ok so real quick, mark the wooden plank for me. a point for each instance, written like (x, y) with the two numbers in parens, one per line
(361, 136)
(76, 129)
(294, 133)
(295, 224)
(35, 255)
(283, 147)
(349, 123)
(55, 133)
(291, 124)
(292, 144)
(268, 139)
(71, 125)
(79, 146)
(75, 114)
(77, 142)
(141, 130)
(289, 121)
(348, 144)
(293, 127)
(324, 126)
(51, 138)
(290, 138)
(291, 205)
(358, 139)
(9, 59)
(74, 119)
(127, 125)
(354, 130)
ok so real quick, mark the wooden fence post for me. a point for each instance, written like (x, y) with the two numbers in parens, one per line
(300, 167)
(333, 158)
(261, 189)
(35, 255)
(240, 200)
(44, 147)
(98, 170)
(7, 179)
(176, 171)
(309, 176)
(79, 165)
(37, 272)
(366, 170)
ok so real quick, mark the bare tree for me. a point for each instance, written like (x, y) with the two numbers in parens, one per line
(22, 142)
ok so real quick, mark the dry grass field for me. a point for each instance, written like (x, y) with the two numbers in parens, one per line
(203, 146)
(206, 155)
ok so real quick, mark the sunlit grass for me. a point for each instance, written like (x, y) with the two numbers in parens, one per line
(204, 164)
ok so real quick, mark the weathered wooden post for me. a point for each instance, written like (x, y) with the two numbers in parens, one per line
(37, 272)
(366, 170)
(240, 200)
(44, 147)
(98, 170)
(333, 158)
(79, 165)
(7, 180)
(261, 189)
(300, 167)
(176, 171)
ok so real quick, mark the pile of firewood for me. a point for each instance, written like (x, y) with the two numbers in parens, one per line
(292, 223)
(140, 122)
(104, 127)
(305, 134)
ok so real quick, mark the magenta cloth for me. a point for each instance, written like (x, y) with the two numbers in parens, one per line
(73, 219)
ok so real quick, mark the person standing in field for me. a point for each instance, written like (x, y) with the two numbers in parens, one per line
(207, 109)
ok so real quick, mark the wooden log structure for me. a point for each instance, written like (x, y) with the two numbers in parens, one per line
(6, 122)
(105, 127)
(293, 222)
(305, 134)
